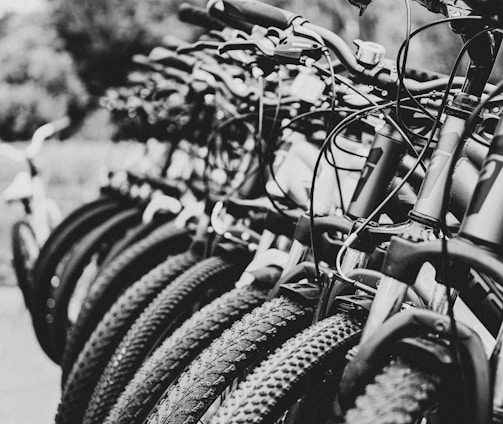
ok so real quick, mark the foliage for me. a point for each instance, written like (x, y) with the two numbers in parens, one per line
(102, 35)
(37, 78)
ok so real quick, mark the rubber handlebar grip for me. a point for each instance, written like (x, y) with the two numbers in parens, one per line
(258, 13)
(217, 11)
(198, 16)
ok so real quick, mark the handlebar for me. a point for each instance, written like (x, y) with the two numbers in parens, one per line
(171, 42)
(341, 49)
(43, 133)
(175, 74)
(198, 46)
(58, 125)
(168, 58)
(256, 13)
(174, 71)
(11, 152)
(417, 81)
(198, 16)
(39, 136)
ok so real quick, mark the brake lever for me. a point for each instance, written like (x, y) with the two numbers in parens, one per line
(244, 46)
(198, 46)
(293, 49)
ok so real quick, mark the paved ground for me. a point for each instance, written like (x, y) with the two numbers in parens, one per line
(29, 381)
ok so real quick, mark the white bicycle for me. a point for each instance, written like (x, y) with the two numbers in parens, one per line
(41, 214)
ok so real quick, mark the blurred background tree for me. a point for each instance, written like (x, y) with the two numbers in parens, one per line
(38, 82)
(49, 60)
(103, 35)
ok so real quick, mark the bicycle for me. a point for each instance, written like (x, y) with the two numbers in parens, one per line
(41, 213)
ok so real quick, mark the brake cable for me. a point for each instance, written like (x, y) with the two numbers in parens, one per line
(329, 127)
(276, 146)
(404, 46)
(400, 67)
(321, 111)
(258, 146)
(389, 119)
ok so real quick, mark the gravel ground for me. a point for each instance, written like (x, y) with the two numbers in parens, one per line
(30, 382)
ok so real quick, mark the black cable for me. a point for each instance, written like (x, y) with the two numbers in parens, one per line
(401, 75)
(290, 123)
(390, 120)
(209, 143)
(401, 70)
(334, 86)
(312, 113)
(401, 67)
(258, 147)
(359, 115)
(277, 108)
(269, 150)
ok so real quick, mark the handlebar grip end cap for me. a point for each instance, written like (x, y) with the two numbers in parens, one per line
(361, 4)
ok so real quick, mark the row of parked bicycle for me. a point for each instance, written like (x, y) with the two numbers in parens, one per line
(316, 236)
